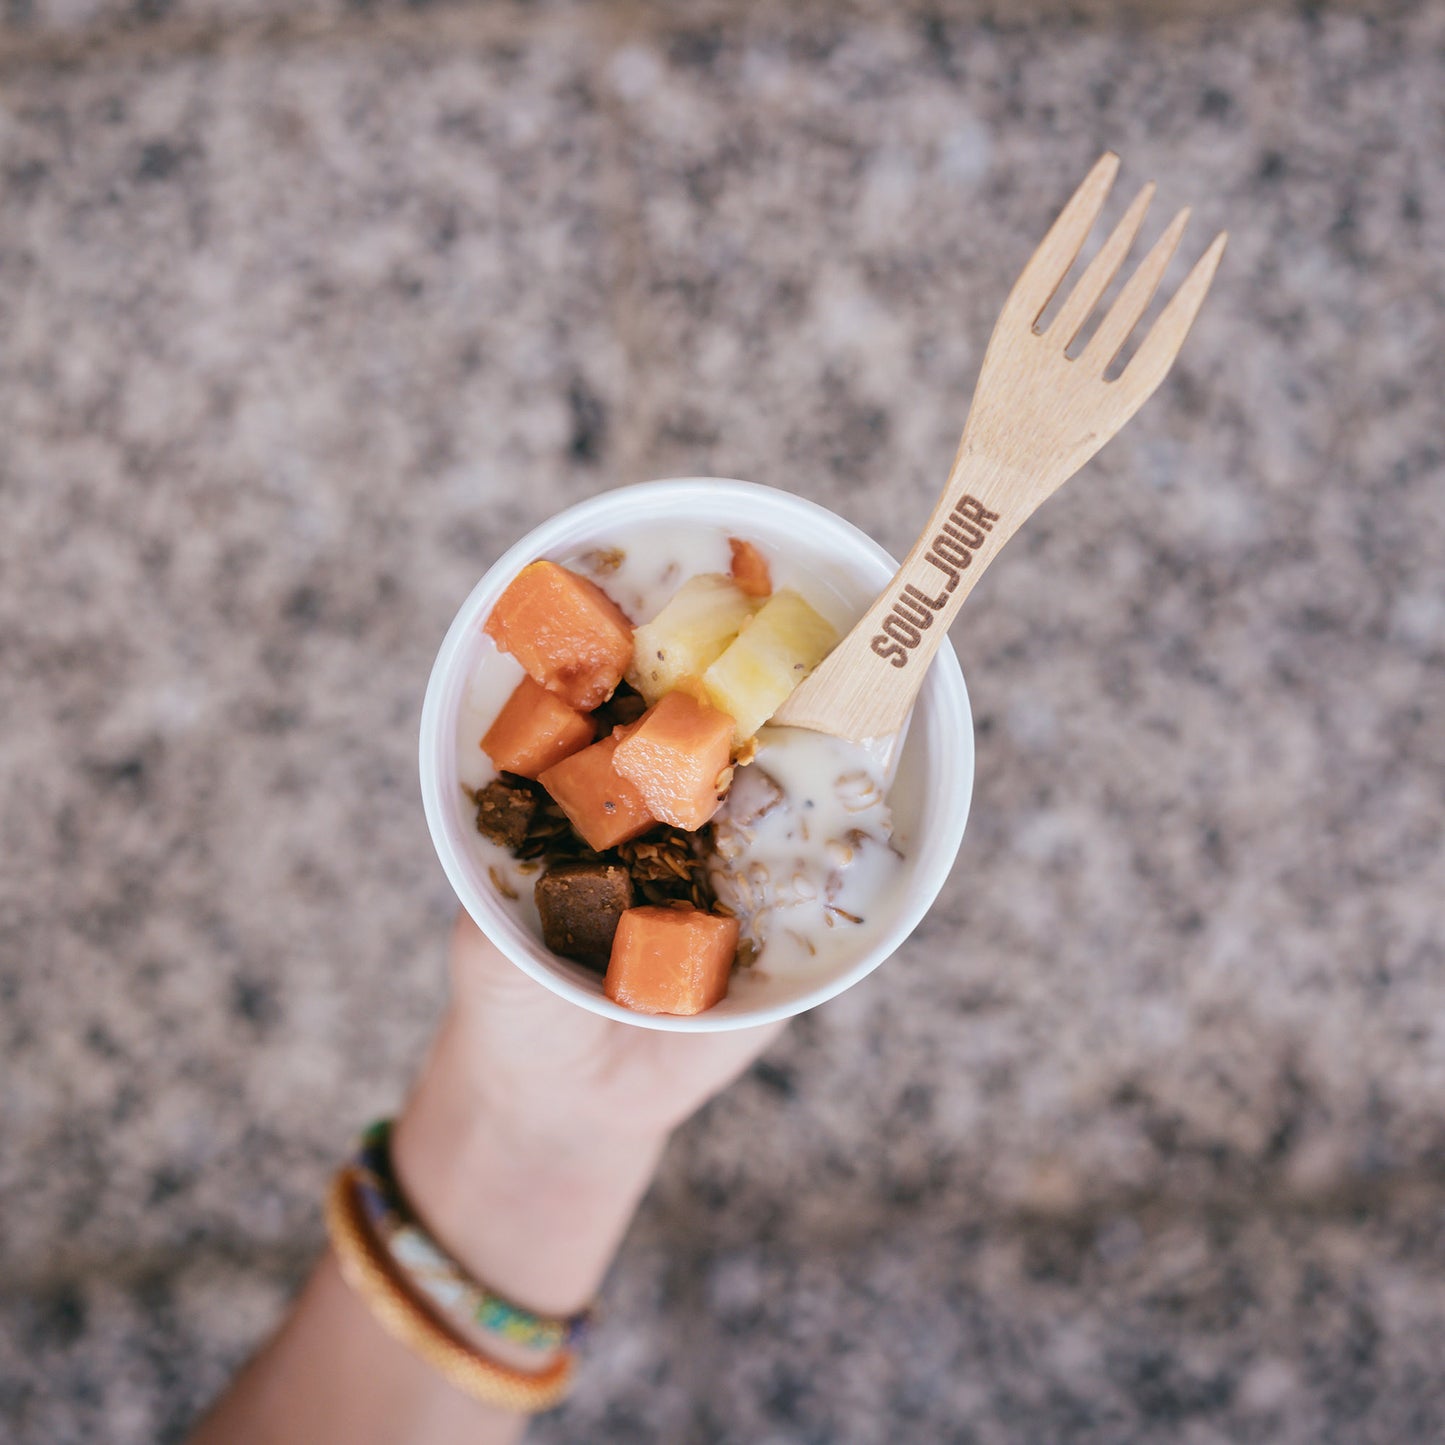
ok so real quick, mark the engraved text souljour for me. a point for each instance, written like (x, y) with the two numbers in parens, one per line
(951, 550)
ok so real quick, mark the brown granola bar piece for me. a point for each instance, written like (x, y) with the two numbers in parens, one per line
(580, 903)
(505, 812)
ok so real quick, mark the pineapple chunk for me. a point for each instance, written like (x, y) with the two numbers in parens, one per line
(690, 633)
(773, 654)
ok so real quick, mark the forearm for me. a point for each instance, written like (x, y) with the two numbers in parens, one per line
(536, 1211)
(531, 1135)
(332, 1373)
(535, 1215)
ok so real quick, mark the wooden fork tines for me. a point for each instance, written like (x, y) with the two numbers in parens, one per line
(1037, 416)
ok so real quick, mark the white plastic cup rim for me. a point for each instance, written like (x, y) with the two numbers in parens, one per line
(935, 766)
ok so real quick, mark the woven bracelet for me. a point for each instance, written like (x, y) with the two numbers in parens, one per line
(367, 1268)
(433, 1272)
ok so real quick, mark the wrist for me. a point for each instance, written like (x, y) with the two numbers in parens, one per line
(533, 1203)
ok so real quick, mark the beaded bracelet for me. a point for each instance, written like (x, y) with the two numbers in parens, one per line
(366, 1267)
(431, 1271)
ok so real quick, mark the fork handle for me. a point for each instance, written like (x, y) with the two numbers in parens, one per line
(865, 687)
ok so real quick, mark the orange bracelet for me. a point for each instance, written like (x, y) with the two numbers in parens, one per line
(366, 1268)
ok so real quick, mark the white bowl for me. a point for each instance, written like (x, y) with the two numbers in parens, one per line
(930, 794)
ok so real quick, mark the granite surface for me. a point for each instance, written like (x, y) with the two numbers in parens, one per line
(1140, 1138)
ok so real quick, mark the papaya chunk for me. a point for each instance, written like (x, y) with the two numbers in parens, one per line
(534, 729)
(676, 756)
(670, 960)
(750, 569)
(604, 807)
(565, 630)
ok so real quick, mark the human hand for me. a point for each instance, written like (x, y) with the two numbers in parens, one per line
(558, 1070)
(536, 1125)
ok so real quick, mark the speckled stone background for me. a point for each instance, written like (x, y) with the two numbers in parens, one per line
(307, 311)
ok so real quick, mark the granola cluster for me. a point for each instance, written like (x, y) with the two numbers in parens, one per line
(581, 893)
(665, 864)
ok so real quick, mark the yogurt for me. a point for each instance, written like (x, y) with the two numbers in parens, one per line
(805, 848)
